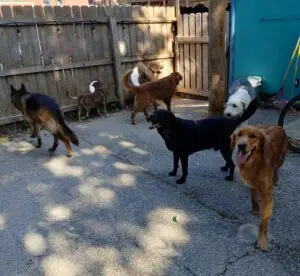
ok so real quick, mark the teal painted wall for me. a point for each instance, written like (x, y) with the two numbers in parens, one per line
(263, 37)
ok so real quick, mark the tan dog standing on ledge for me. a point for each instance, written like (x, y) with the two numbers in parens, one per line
(162, 89)
(260, 153)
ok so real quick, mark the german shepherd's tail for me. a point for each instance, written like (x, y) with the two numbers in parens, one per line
(67, 131)
(127, 83)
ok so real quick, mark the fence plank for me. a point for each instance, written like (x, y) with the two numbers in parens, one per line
(169, 33)
(193, 71)
(5, 62)
(205, 51)
(12, 39)
(89, 13)
(186, 51)
(125, 34)
(107, 72)
(26, 38)
(41, 81)
(5, 58)
(131, 32)
(147, 29)
(180, 64)
(199, 53)
(5, 107)
(117, 60)
(164, 32)
(137, 12)
(158, 12)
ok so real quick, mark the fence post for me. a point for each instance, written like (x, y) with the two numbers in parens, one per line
(116, 59)
(216, 60)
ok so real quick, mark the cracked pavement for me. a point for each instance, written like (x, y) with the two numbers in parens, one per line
(110, 210)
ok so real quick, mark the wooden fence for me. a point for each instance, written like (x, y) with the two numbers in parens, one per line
(51, 49)
(192, 53)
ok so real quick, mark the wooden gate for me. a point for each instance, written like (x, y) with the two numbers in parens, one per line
(191, 46)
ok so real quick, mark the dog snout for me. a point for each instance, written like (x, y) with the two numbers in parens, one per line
(242, 147)
(228, 115)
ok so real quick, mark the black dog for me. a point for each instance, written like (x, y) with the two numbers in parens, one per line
(184, 137)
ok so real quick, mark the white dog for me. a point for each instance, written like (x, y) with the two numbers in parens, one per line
(241, 94)
(237, 103)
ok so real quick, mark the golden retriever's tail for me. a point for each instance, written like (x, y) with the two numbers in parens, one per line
(127, 83)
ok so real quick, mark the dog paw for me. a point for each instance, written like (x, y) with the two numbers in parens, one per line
(224, 169)
(172, 173)
(262, 244)
(229, 178)
(180, 180)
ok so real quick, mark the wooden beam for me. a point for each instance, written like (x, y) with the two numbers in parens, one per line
(141, 20)
(191, 39)
(216, 57)
(197, 92)
(80, 64)
(55, 67)
(146, 58)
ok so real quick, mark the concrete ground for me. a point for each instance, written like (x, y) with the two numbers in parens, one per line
(112, 209)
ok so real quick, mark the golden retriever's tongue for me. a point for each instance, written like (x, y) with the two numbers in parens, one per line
(241, 157)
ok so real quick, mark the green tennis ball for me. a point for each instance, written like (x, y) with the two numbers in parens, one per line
(175, 219)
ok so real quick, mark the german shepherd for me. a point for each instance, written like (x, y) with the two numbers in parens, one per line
(92, 100)
(39, 109)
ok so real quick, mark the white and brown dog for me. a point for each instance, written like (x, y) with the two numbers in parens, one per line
(241, 95)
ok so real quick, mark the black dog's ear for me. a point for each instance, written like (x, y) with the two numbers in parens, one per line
(13, 90)
(244, 106)
(23, 88)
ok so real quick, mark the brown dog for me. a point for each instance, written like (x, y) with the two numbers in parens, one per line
(260, 153)
(91, 100)
(162, 89)
(141, 74)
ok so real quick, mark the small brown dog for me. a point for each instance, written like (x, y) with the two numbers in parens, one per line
(162, 89)
(141, 74)
(260, 153)
(91, 100)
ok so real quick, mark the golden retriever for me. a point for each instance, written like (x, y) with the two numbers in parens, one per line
(260, 153)
(162, 89)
